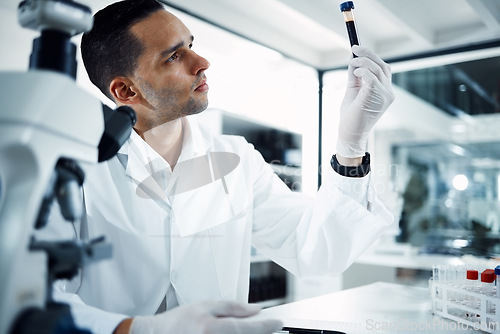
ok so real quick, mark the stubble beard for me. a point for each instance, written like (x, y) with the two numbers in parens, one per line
(166, 109)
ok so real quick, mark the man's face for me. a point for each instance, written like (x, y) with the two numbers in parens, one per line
(170, 76)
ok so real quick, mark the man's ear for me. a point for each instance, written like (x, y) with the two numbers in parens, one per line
(124, 91)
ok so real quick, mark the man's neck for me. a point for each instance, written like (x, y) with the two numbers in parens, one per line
(166, 140)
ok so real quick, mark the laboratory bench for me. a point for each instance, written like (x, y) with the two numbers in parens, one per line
(385, 261)
(401, 263)
(378, 307)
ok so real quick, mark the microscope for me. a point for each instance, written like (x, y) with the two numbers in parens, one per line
(49, 131)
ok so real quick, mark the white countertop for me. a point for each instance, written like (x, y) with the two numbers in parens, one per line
(375, 308)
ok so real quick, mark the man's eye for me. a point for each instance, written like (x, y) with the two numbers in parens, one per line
(172, 58)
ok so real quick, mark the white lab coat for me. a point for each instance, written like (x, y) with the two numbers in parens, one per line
(199, 241)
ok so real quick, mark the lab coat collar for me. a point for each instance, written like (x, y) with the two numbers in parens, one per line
(195, 142)
(136, 151)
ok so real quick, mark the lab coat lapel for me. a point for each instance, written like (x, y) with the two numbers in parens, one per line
(211, 204)
(207, 182)
(147, 169)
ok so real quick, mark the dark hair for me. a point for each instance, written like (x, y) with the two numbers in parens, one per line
(110, 49)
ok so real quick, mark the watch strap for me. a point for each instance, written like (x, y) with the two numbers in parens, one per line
(352, 171)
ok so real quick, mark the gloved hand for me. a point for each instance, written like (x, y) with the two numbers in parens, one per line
(369, 94)
(220, 317)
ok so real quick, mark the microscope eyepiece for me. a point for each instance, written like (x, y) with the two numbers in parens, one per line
(118, 125)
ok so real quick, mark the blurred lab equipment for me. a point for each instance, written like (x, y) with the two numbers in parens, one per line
(50, 130)
(440, 214)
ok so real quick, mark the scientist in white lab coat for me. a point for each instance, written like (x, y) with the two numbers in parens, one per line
(182, 208)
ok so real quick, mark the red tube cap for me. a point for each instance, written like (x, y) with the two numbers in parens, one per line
(488, 276)
(472, 274)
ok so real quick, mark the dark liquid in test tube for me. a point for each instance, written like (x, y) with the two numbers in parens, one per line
(351, 31)
(347, 10)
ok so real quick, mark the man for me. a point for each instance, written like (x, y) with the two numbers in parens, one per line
(179, 239)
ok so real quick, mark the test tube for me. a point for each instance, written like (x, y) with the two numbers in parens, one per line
(450, 280)
(451, 274)
(488, 288)
(435, 273)
(497, 273)
(347, 9)
(461, 276)
(472, 280)
(437, 280)
(472, 285)
(487, 281)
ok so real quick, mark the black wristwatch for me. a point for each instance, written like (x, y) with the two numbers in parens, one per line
(350, 171)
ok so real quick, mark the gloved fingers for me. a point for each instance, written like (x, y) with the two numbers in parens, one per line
(365, 66)
(233, 326)
(365, 52)
(372, 99)
(374, 86)
(233, 309)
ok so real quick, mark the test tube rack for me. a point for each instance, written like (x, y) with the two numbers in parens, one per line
(474, 307)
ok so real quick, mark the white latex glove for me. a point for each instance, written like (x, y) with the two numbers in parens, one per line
(219, 317)
(368, 95)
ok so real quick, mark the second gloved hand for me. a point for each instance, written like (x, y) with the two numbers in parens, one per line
(368, 95)
(220, 317)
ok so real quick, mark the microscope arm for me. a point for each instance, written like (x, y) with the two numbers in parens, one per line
(58, 121)
(49, 130)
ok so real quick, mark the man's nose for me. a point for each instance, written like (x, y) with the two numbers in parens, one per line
(200, 64)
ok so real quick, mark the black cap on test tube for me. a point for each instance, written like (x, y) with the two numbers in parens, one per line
(348, 5)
